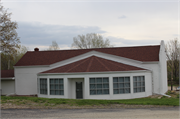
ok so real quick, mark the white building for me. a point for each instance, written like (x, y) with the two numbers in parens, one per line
(7, 82)
(101, 73)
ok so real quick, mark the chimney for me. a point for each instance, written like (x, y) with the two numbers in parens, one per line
(36, 49)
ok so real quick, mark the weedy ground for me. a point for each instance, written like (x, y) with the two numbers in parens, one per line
(41, 103)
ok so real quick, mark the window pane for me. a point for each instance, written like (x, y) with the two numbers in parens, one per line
(127, 84)
(115, 79)
(99, 80)
(121, 85)
(121, 79)
(105, 85)
(143, 89)
(99, 91)
(127, 90)
(99, 85)
(121, 91)
(106, 91)
(45, 91)
(115, 85)
(135, 90)
(56, 87)
(56, 81)
(92, 92)
(61, 81)
(134, 79)
(43, 86)
(61, 87)
(61, 92)
(138, 89)
(116, 91)
(52, 87)
(142, 84)
(52, 92)
(138, 84)
(138, 78)
(56, 92)
(105, 80)
(92, 80)
(92, 86)
(127, 79)
(143, 78)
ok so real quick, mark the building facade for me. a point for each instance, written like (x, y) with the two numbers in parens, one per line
(102, 73)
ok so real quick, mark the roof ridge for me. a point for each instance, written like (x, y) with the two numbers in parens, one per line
(112, 62)
(102, 63)
(76, 65)
(95, 48)
(89, 63)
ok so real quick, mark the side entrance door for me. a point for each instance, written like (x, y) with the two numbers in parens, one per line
(79, 91)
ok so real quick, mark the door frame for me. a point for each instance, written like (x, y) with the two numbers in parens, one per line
(76, 89)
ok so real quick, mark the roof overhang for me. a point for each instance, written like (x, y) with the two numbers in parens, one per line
(107, 72)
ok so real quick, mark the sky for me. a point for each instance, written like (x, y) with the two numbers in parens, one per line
(123, 22)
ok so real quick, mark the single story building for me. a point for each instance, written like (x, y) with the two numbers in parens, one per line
(7, 82)
(99, 73)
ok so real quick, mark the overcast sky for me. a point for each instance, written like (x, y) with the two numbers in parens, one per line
(123, 22)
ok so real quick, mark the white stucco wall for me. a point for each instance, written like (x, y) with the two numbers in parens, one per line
(71, 79)
(8, 87)
(155, 76)
(26, 79)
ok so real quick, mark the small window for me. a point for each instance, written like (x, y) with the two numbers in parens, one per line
(139, 84)
(99, 86)
(43, 86)
(56, 86)
(121, 85)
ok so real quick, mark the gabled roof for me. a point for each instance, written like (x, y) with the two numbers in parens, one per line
(93, 64)
(7, 73)
(140, 53)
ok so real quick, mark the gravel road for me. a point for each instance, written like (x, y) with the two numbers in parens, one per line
(151, 113)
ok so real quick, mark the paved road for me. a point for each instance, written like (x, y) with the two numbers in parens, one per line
(152, 113)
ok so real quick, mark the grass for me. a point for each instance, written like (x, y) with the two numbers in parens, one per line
(173, 101)
(176, 85)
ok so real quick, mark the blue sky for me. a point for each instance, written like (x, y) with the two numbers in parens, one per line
(123, 22)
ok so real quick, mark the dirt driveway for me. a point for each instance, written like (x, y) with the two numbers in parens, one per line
(151, 113)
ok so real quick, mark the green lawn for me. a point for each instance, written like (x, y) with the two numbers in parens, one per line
(173, 101)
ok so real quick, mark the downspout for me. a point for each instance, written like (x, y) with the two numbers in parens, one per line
(152, 82)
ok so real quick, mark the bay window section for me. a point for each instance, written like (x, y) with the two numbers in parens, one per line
(99, 86)
(121, 85)
(43, 86)
(56, 86)
(139, 84)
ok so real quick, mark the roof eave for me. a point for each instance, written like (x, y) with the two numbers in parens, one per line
(132, 71)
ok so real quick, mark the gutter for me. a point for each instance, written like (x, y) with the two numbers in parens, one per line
(163, 95)
(10, 94)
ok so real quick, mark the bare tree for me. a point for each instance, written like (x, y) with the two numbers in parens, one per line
(172, 54)
(9, 60)
(54, 46)
(8, 35)
(91, 40)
